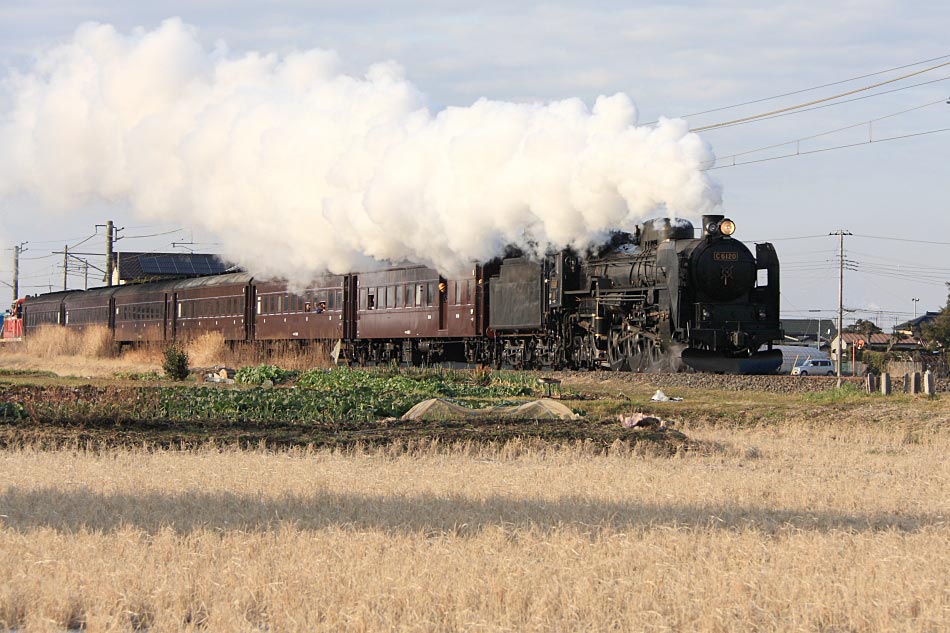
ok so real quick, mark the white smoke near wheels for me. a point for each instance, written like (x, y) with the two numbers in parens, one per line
(297, 167)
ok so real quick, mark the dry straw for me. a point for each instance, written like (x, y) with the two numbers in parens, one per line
(777, 529)
(90, 342)
(92, 351)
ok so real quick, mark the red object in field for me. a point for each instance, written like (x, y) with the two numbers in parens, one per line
(13, 324)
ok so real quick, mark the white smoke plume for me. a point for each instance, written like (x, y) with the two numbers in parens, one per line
(297, 167)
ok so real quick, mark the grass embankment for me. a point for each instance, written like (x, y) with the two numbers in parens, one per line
(775, 528)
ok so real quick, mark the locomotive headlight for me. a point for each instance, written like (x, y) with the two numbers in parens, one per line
(728, 227)
(706, 314)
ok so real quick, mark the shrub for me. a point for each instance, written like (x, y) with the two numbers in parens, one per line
(176, 362)
(12, 410)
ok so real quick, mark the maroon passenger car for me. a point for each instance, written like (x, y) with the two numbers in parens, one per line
(142, 312)
(315, 312)
(43, 310)
(89, 308)
(211, 304)
(397, 307)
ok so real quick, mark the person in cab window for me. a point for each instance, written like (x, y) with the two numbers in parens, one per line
(321, 307)
(307, 307)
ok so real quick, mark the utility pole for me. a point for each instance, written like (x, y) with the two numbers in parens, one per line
(110, 240)
(109, 231)
(65, 265)
(85, 274)
(17, 249)
(915, 300)
(840, 233)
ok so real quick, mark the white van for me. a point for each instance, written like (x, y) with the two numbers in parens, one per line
(815, 367)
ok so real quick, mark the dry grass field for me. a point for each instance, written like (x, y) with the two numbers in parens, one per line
(795, 526)
(92, 354)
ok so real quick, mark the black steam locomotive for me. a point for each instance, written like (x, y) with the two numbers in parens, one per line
(648, 301)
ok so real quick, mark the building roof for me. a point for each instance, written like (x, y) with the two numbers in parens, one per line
(873, 339)
(132, 266)
(914, 324)
(809, 327)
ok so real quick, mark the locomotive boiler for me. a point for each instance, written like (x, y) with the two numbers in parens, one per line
(652, 300)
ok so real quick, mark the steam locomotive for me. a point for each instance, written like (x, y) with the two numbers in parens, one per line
(653, 300)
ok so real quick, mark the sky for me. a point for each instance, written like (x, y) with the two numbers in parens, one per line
(671, 59)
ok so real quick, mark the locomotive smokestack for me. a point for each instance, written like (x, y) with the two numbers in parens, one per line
(711, 224)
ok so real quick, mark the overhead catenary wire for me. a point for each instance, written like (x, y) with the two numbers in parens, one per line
(57, 241)
(862, 235)
(816, 101)
(84, 241)
(810, 137)
(826, 149)
(809, 89)
(137, 237)
(836, 103)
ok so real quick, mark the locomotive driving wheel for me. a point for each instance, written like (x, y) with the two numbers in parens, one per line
(643, 353)
(616, 355)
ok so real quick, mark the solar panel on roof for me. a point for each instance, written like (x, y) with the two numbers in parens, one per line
(180, 264)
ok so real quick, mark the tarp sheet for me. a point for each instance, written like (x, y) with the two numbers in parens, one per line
(439, 409)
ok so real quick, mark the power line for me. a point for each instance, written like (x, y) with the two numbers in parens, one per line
(810, 137)
(786, 239)
(795, 92)
(927, 281)
(84, 241)
(900, 262)
(827, 149)
(136, 237)
(60, 241)
(815, 101)
(837, 103)
(904, 270)
(898, 239)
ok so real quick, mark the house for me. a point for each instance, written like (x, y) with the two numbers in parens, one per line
(913, 327)
(878, 342)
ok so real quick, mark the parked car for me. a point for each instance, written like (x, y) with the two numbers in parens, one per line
(815, 367)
